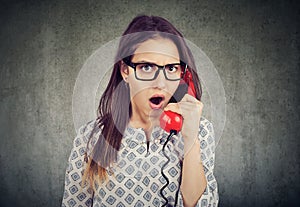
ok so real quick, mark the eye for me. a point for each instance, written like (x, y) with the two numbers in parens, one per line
(172, 68)
(145, 67)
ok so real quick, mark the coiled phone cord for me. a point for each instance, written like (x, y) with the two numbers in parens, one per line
(172, 132)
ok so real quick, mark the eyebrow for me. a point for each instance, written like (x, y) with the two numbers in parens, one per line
(145, 61)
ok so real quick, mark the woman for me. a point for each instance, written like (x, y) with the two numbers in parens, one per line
(124, 157)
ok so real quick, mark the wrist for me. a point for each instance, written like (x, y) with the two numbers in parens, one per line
(191, 145)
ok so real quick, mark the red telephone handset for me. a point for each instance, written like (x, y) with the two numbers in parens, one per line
(170, 120)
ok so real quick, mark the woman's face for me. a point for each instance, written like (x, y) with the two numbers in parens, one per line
(148, 98)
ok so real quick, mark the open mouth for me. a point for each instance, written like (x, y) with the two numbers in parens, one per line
(156, 101)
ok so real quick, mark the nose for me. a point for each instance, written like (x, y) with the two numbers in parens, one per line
(160, 80)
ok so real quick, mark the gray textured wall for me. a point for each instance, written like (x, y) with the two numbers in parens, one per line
(254, 46)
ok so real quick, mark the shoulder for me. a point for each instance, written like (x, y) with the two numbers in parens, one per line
(205, 126)
(206, 133)
(87, 133)
(87, 127)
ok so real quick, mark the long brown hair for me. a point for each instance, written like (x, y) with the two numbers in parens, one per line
(114, 109)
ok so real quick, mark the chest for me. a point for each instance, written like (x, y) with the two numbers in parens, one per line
(136, 179)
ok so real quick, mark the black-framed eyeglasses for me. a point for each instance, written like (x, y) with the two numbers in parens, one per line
(149, 71)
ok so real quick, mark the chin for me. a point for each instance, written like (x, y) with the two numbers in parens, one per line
(155, 113)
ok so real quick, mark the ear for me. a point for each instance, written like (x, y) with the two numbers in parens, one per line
(124, 71)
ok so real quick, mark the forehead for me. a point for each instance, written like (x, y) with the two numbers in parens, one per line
(158, 50)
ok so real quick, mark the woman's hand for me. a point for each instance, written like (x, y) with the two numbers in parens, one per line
(190, 109)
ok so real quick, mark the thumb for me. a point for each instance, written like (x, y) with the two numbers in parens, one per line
(173, 107)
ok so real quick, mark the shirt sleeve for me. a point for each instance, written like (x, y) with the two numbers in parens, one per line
(210, 197)
(75, 195)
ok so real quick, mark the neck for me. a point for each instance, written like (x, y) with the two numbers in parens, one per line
(145, 122)
(137, 121)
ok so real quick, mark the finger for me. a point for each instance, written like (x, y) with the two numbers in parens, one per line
(188, 98)
(184, 105)
(186, 110)
(173, 107)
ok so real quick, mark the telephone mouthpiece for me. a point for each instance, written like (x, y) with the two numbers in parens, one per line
(170, 121)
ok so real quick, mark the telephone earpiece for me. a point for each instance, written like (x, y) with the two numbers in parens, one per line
(188, 79)
(170, 120)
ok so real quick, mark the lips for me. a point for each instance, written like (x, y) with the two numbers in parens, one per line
(156, 101)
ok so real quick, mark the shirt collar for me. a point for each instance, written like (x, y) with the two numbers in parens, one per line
(140, 135)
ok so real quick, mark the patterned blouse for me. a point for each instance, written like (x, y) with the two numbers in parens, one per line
(136, 179)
